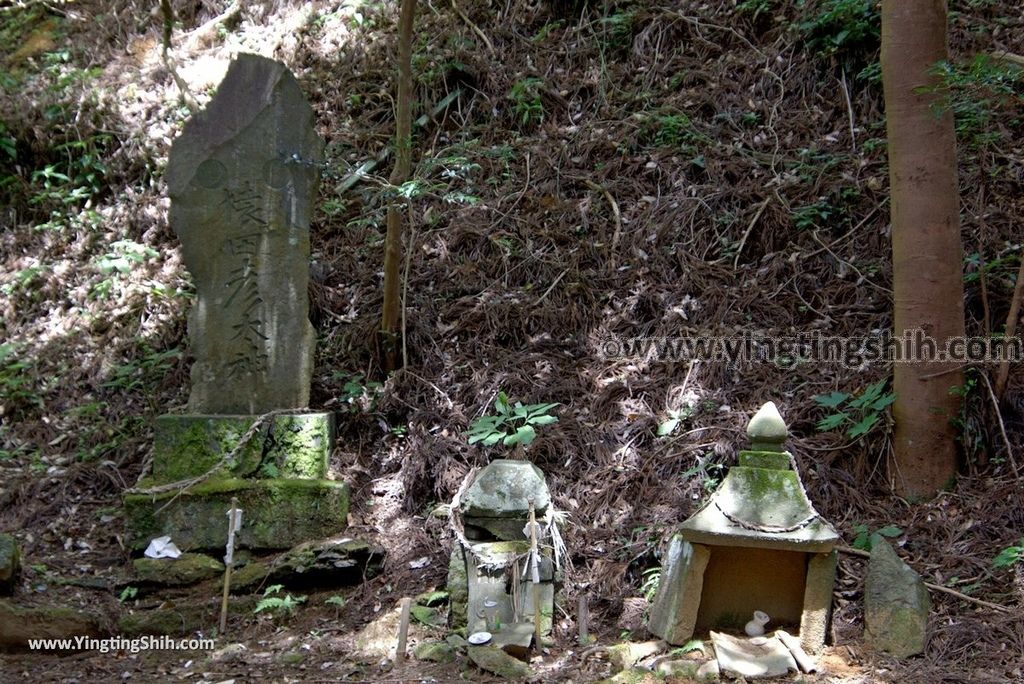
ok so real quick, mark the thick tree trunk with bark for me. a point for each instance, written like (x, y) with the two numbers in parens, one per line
(390, 318)
(926, 247)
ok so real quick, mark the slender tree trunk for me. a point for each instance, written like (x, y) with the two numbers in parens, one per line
(393, 249)
(926, 250)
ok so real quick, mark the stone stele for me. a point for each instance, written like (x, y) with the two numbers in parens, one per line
(242, 180)
(896, 604)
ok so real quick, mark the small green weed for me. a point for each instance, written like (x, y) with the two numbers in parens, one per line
(512, 424)
(865, 539)
(651, 581)
(281, 607)
(1010, 556)
(526, 103)
(361, 395)
(338, 602)
(848, 30)
(617, 31)
(19, 394)
(860, 412)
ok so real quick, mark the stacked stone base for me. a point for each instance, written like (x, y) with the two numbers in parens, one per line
(279, 479)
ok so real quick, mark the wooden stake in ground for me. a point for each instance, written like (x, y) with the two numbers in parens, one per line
(403, 629)
(535, 574)
(393, 241)
(234, 524)
(583, 620)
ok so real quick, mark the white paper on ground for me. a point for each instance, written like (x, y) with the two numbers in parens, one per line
(757, 657)
(162, 547)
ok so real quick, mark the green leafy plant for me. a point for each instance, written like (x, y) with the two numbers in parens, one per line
(860, 412)
(280, 606)
(127, 594)
(526, 102)
(338, 602)
(649, 586)
(711, 474)
(360, 394)
(865, 539)
(511, 424)
(18, 391)
(617, 31)
(975, 90)
(1010, 556)
(674, 130)
(143, 371)
(846, 29)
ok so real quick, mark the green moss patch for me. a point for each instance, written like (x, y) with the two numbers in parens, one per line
(277, 514)
(288, 446)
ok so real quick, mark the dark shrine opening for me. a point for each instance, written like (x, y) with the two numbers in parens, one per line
(740, 580)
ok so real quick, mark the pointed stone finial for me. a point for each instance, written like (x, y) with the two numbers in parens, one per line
(767, 430)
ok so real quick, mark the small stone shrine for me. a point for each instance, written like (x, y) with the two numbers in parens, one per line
(756, 545)
(489, 582)
(242, 179)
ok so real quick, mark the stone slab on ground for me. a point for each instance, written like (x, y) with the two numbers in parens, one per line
(188, 568)
(335, 561)
(435, 652)
(285, 446)
(278, 514)
(492, 659)
(19, 624)
(896, 604)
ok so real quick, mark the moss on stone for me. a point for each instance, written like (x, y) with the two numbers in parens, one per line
(171, 621)
(773, 460)
(289, 446)
(248, 578)
(188, 568)
(458, 589)
(435, 652)
(18, 625)
(277, 514)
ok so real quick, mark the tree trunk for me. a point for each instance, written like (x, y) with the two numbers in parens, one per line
(391, 315)
(926, 250)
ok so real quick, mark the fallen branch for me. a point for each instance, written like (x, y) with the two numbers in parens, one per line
(204, 36)
(934, 587)
(1002, 426)
(1010, 57)
(615, 214)
(186, 94)
(750, 227)
(1010, 329)
(474, 27)
(367, 167)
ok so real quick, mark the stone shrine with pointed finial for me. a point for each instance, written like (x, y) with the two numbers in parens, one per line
(242, 179)
(757, 544)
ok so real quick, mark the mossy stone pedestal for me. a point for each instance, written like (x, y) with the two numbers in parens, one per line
(279, 478)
